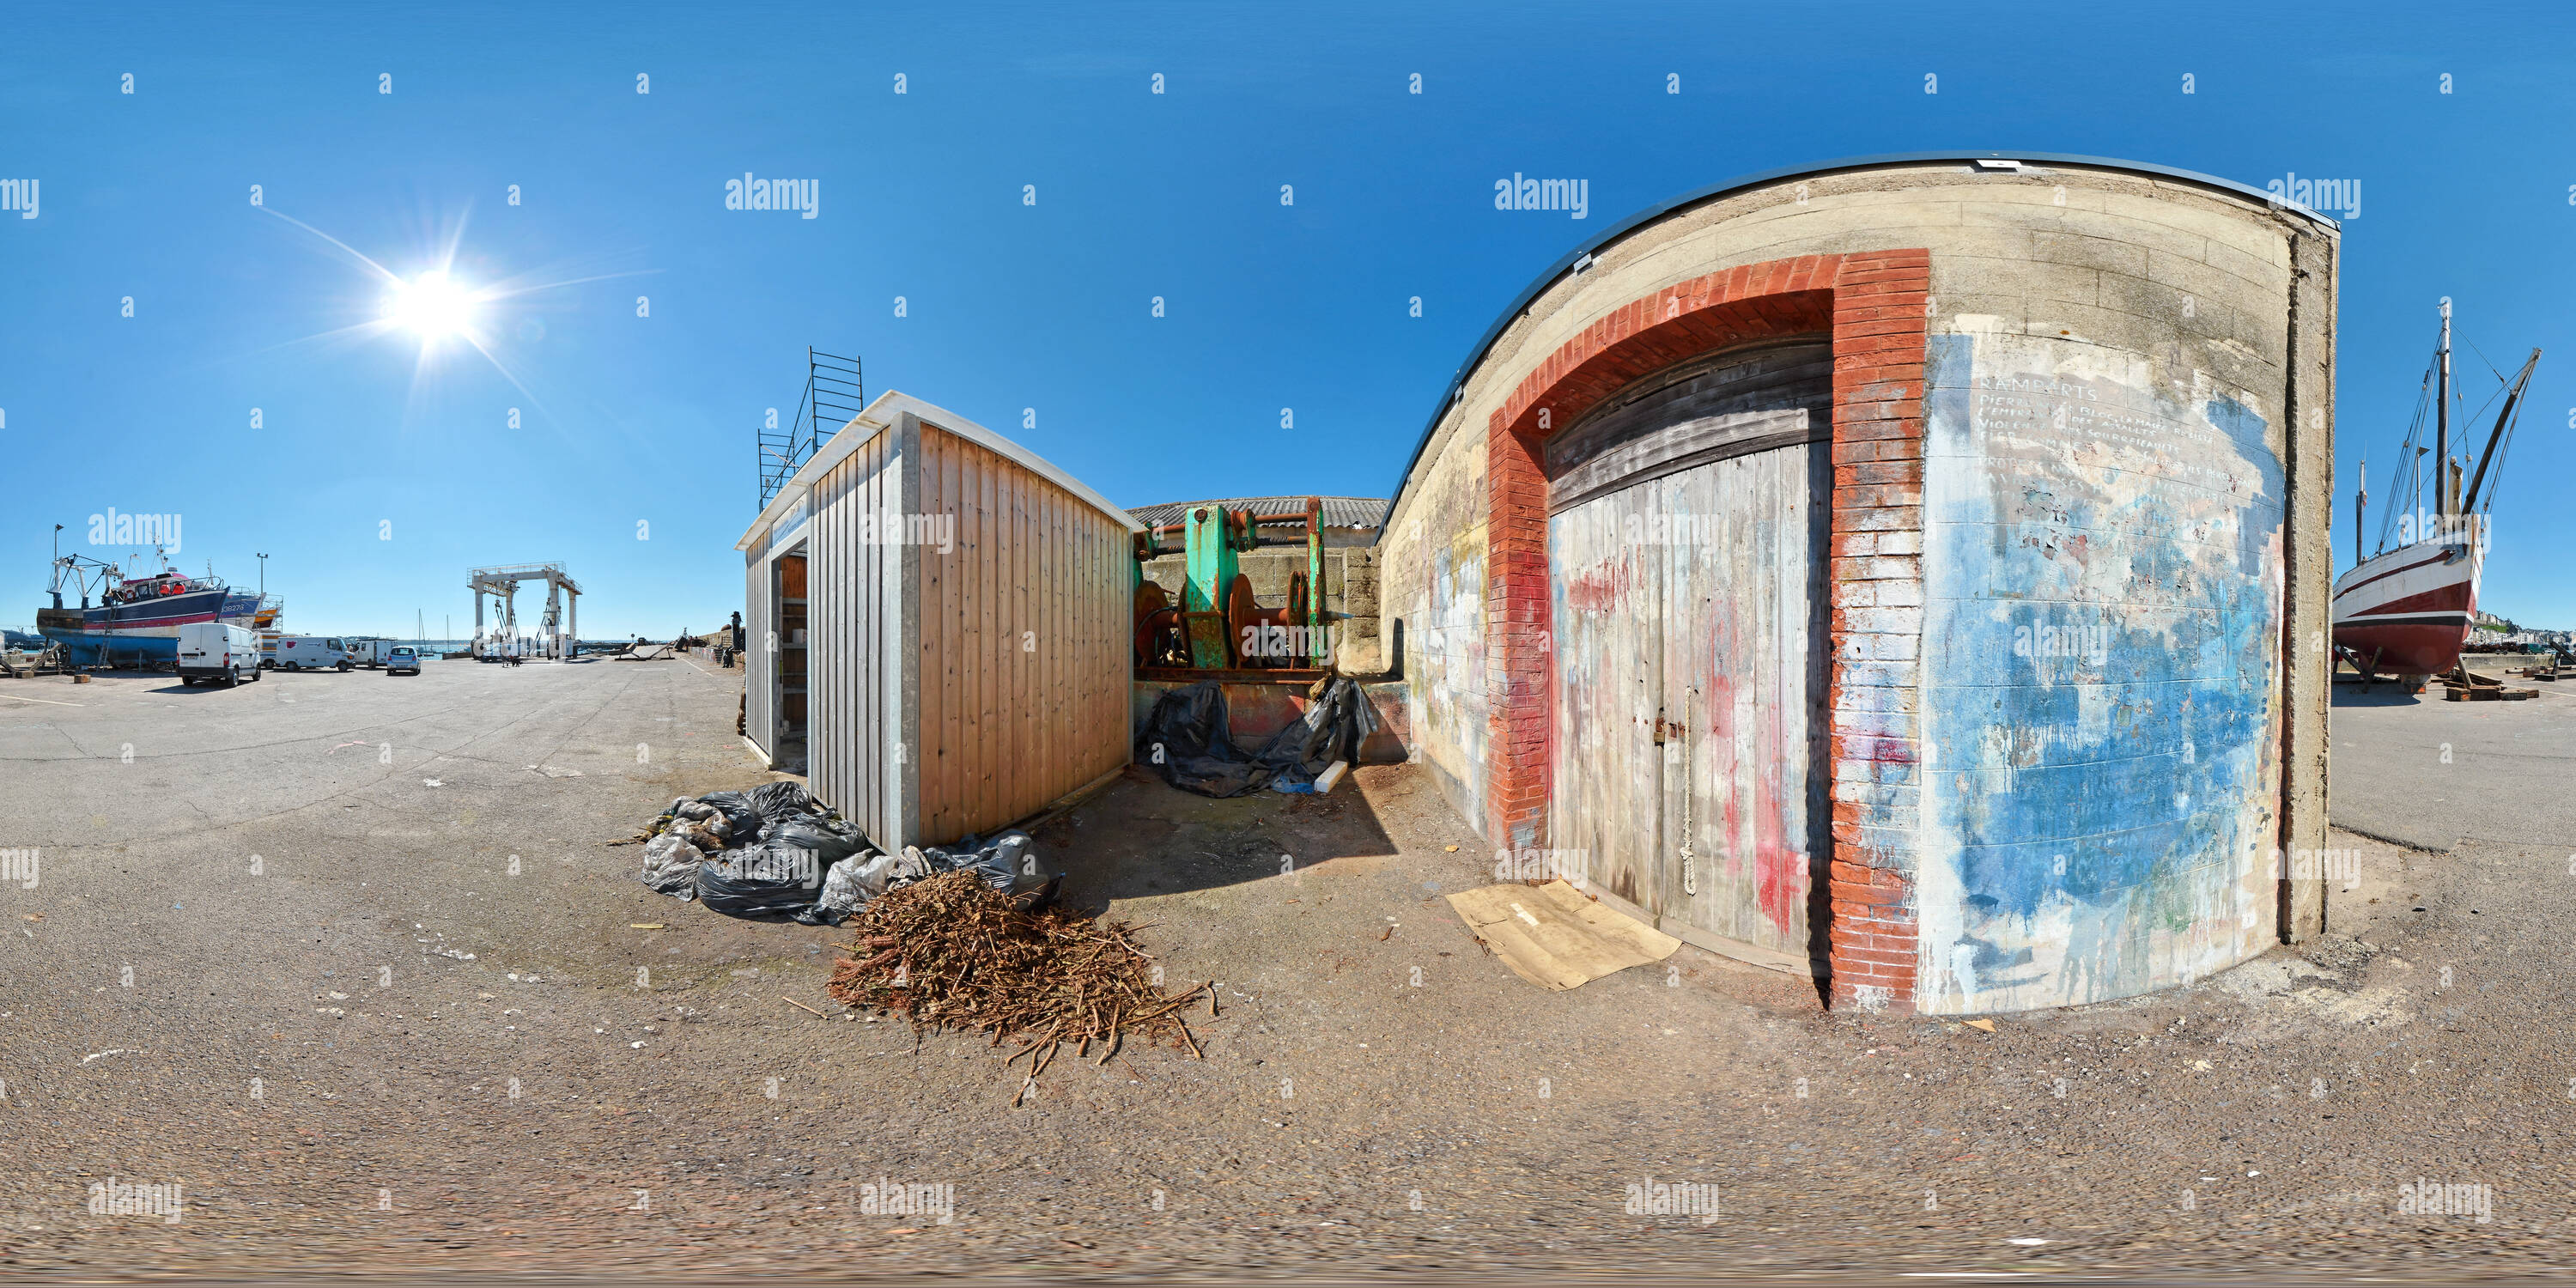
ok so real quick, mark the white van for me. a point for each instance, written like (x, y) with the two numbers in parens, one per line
(310, 653)
(217, 653)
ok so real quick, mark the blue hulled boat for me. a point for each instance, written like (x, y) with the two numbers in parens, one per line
(137, 620)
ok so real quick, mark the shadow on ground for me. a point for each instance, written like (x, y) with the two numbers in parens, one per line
(2349, 693)
(1142, 837)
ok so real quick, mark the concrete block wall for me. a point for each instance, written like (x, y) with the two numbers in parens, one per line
(2202, 314)
(1359, 641)
(1432, 577)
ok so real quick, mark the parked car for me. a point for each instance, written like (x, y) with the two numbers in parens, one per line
(369, 652)
(311, 653)
(401, 658)
(217, 653)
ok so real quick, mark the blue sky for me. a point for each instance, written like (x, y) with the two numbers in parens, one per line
(1047, 306)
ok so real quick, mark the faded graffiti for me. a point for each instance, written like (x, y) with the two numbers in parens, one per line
(2101, 630)
(1687, 681)
(1449, 682)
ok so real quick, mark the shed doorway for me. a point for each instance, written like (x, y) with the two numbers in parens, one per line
(790, 674)
(1687, 537)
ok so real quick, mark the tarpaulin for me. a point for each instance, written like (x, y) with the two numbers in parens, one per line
(1186, 741)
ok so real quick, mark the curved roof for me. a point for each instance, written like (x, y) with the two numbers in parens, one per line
(1339, 511)
(1583, 253)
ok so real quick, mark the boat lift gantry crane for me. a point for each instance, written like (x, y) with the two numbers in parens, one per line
(557, 631)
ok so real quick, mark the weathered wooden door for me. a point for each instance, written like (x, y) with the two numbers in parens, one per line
(1606, 814)
(1746, 802)
(1688, 545)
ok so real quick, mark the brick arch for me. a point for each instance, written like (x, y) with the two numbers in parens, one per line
(1873, 304)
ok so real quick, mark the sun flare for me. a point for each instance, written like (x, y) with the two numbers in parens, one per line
(431, 304)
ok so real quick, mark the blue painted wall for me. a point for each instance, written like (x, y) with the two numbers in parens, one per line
(2101, 641)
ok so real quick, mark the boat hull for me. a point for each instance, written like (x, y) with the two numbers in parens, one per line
(144, 632)
(2408, 611)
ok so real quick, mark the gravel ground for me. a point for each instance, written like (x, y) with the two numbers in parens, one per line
(378, 1046)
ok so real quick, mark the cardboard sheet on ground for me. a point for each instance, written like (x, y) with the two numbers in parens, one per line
(1555, 938)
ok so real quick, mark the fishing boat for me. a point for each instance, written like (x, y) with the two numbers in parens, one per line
(137, 619)
(2406, 610)
(250, 608)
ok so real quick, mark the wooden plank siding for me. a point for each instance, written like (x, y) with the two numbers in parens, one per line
(1606, 814)
(1746, 680)
(852, 631)
(1745, 399)
(970, 634)
(1026, 624)
(1690, 657)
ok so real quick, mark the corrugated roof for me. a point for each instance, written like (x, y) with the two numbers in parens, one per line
(1339, 511)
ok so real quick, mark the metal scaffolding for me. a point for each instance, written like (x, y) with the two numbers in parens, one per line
(557, 631)
(834, 395)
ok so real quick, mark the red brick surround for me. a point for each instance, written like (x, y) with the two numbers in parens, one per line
(1873, 303)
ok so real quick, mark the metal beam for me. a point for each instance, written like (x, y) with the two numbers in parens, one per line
(1211, 572)
(501, 582)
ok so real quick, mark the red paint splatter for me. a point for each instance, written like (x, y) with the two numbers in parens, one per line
(1780, 877)
(1780, 873)
(1599, 588)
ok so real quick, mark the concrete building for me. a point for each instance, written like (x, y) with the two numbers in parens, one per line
(952, 612)
(1908, 572)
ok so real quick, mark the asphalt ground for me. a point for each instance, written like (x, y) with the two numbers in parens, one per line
(384, 1015)
(2424, 771)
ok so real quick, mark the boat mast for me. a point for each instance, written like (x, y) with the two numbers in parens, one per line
(2415, 486)
(2503, 428)
(2442, 425)
(2360, 507)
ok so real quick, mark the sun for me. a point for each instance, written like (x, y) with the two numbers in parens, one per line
(432, 304)
(448, 317)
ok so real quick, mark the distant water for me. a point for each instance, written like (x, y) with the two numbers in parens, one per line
(459, 646)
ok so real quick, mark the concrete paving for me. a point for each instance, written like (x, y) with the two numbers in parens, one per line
(349, 958)
(2423, 771)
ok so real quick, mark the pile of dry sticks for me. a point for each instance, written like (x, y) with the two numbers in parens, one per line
(951, 952)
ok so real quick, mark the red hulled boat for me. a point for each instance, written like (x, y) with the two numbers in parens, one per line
(2406, 610)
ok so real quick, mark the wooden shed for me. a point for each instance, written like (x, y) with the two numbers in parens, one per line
(937, 627)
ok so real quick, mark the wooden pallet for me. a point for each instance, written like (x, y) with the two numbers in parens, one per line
(2461, 684)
